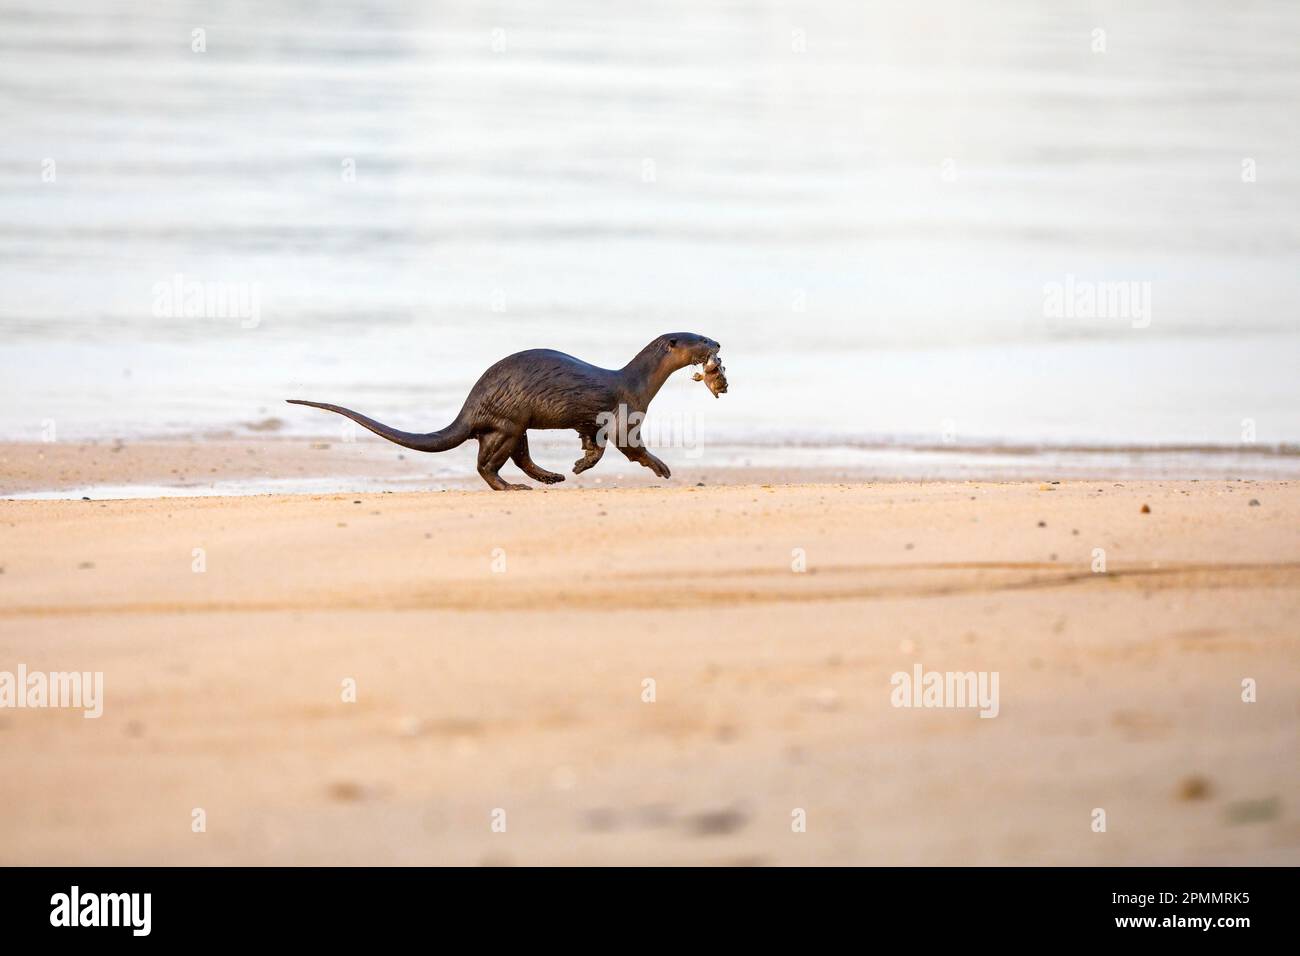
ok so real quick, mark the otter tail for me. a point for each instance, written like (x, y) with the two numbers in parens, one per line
(448, 438)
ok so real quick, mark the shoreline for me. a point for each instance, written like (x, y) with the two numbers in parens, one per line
(281, 465)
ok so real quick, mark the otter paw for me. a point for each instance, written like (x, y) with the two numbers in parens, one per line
(549, 478)
(658, 467)
(510, 487)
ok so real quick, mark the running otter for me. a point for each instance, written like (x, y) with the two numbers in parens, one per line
(542, 388)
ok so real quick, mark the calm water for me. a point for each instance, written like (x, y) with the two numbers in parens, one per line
(867, 204)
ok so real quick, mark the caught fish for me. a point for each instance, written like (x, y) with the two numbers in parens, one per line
(714, 375)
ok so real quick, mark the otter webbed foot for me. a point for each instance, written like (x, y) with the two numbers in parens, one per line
(657, 466)
(592, 452)
(643, 457)
(524, 460)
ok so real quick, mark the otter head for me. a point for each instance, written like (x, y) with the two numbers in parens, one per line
(687, 348)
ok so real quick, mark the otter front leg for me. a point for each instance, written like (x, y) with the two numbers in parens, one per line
(638, 454)
(493, 449)
(592, 451)
(530, 468)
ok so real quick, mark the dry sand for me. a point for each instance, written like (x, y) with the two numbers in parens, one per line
(500, 646)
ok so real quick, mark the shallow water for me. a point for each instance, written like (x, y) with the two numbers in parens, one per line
(870, 205)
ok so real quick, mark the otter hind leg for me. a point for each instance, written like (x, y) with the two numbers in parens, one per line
(529, 467)
(592, 450)
(494, 449)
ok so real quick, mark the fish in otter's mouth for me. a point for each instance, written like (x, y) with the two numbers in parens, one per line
(714, 375)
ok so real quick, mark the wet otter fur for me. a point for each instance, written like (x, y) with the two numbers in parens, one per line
(545, 389)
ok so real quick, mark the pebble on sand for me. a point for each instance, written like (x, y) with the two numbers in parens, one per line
(346, 791)
(1252, 811)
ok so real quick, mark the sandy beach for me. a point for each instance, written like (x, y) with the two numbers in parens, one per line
(969, 337)
(643, 674)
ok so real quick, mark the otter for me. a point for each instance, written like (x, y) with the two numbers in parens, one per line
(545, 389)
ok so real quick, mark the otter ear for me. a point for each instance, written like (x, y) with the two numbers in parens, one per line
(672, 343)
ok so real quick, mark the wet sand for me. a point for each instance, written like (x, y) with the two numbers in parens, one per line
(500, 647)
(152, 468)
(230, 465)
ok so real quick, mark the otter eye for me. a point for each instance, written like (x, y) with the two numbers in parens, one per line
(672, 343)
